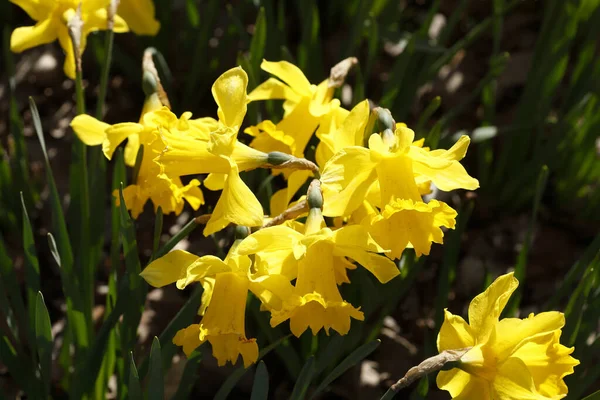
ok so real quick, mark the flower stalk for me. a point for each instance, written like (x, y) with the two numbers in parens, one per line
(445, 360)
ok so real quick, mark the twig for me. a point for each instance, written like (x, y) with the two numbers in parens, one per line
(149, 68)
(291, 213)
(339, 71)
(431, 364)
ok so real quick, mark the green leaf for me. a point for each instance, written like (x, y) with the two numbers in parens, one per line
(427, 113)
(578, 301)
(32, 272)
(574, 274)
(158, 226)
(88, 371)
(353, 358)
(11, 284)
(20, 161)
(189, 376)
(138, 163)
(21, 371)
(521, 266)
(260, 387)
(135, 389)
(171, 243)
(156, 384)
(304, 380)
(136, 296)
(192, 12)
(75, 315)
(257, 45)
(593, 396)
(43, 333)
(330, 354)
(420, 392)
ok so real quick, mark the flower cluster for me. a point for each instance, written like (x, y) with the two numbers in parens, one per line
(53, 17)
(295, 268)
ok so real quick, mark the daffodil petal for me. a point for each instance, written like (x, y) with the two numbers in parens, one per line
(513, 381)
(140, 16)
(354, 241)
(549, 362)
(188, 338)
(215, 181)
(67, 46)
(116, 134)
(273, 89)
(455, 333)
(512, 333)
(89, 130)
(169, 268)
(485, 308)
(229, 91)
(237, 205)
(345, 180)
(442, 167)
(26, 37)
(131, 149)
(273, 238)
(135, 199)
(463, 386)
(290, 74)
(201, 268)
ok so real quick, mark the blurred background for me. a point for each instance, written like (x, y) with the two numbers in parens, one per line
(521, 77)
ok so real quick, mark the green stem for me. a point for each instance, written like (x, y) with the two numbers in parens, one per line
(79, 177)
(108, 48)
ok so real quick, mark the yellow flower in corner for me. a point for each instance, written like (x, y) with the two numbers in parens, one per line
(510, 359)
(139, 15)
(388, 173)
(317, 260)
(223, 323)
(52, 17)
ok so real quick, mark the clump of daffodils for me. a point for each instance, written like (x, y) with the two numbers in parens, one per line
(369, 181)
(53, 17)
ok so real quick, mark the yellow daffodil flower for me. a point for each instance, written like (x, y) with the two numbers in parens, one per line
(510, 358)
(166, 191)
(388, 174)
(223, 323)
(139, 15)
(317, 260)
(304, 107)
(218, 152)
(52, 17)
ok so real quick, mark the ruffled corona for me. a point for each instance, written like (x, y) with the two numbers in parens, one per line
(317, 259)
(384, 176)
(510, 358)
(420, 222)
(226, 284)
